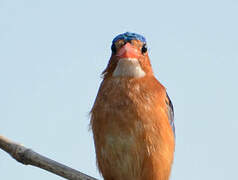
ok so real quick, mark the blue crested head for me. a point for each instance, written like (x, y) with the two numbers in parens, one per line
(128, 36)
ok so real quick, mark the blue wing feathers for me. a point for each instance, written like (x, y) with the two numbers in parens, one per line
(170, 112)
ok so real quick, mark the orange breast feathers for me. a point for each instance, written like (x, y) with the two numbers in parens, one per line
(130, 120)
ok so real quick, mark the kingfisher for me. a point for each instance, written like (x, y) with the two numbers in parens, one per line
(132, 118)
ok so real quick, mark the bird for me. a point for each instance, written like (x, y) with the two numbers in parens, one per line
(132, 118)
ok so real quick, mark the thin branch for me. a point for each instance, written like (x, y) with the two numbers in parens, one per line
(29, 157)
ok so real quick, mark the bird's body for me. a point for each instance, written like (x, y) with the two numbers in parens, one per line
(131, 120)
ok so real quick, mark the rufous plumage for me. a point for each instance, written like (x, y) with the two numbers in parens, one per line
(132, 117)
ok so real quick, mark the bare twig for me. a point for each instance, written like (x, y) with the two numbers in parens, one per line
(29, 157)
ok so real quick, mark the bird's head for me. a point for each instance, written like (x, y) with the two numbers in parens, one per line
(129, 57)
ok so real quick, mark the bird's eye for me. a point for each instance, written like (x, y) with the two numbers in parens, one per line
(144, 48)
(113, 47)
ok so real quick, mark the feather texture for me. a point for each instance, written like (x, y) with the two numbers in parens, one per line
(132, 124)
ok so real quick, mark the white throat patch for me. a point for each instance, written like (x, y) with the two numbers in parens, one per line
(128, 67)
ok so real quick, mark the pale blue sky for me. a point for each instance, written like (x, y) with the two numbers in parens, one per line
(51, 57)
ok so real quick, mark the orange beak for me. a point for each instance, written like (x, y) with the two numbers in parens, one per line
(128, 51)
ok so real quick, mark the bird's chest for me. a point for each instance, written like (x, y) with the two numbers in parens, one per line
(124, 105)
(130, 125)
(124, 111)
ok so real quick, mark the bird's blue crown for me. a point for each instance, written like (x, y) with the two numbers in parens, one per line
(128, 36)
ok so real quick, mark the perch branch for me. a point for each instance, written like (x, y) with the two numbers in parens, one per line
(29, 157)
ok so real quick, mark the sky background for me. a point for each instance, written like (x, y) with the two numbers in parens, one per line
(51, 57)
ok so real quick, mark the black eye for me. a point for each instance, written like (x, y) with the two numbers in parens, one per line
(144, 48)
(113, 47)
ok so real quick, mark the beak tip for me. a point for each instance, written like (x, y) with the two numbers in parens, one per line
(128, 51)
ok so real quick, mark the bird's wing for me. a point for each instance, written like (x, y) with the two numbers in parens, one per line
(170, 112)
